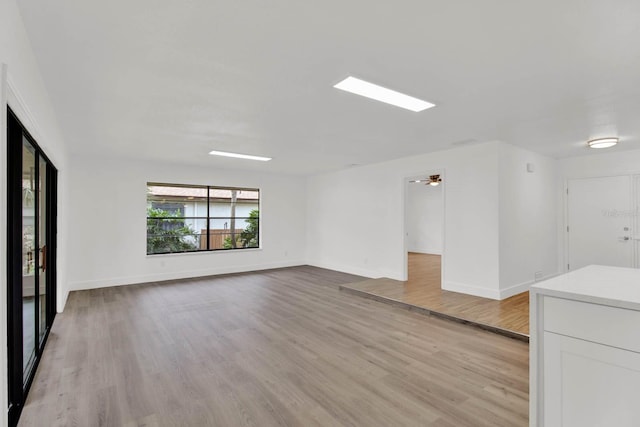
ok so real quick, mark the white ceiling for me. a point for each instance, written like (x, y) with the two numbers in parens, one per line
(172, 80)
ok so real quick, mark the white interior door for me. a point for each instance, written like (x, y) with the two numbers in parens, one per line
(635, 231)
(599, 218)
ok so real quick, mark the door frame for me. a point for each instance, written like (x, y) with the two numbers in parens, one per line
(405, 200)
(633, 197)
(18, 388)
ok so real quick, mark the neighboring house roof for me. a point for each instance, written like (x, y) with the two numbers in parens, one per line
(200, 193)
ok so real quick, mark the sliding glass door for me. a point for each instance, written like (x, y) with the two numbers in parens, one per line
(31, 196)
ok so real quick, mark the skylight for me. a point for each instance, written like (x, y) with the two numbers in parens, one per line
(382, 94)
(239, 156)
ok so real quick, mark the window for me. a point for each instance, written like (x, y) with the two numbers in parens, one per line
(193, 218)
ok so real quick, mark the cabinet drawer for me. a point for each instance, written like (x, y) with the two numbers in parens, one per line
(616, 327)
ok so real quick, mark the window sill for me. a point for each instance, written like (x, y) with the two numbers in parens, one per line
(227, 251)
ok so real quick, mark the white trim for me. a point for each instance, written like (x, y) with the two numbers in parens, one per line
(63, 301)
(358, 271)
(188, 274)
(536, 358)
(471, 290)
(515, 289)
(405, 190)
(4, 398)
(522, 287)
(203, 252)
(563, 232)
(635, 225)
(425, 251)
(22, 111)
(16, 102)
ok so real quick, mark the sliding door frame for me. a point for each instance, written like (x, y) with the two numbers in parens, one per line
(18, 387)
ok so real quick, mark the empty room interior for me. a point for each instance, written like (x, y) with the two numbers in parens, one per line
(290, 213)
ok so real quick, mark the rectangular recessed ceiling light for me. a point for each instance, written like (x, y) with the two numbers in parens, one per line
(379, 93)
(239, 156)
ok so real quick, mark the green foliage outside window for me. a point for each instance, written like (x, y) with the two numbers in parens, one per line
(248, 238)
(167, 232)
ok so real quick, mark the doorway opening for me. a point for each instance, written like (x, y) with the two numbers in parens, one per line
(31, 259)
(424, 229)
(424, 259)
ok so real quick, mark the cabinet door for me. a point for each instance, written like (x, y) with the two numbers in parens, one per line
(589, 384)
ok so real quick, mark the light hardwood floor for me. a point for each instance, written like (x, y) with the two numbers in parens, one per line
(423, 290)
(278, 348)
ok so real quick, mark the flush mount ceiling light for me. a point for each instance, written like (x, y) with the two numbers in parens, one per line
(602, 142)
(382, 94)
(239, 156)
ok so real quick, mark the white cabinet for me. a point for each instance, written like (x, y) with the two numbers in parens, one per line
(585, 349)
(589, 384)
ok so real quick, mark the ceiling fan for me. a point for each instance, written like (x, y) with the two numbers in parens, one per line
(433, 180)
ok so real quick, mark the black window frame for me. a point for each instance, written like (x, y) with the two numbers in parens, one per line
(208, 218)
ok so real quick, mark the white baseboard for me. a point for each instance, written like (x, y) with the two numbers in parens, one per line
(358, 271)
(522, 287)
(62, 302)
(515, 289)
(159, 277)
(471, 290)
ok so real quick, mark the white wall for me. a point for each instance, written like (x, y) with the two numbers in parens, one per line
(25, 93)
(603, 163)
(424, 218)
(500, 220)
(22, 88)
(528, 219)
(108, 232)
(356, 218)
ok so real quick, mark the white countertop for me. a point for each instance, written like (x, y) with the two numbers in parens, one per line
(614, 286)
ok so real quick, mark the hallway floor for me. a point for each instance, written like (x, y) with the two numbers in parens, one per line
(423, 291)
